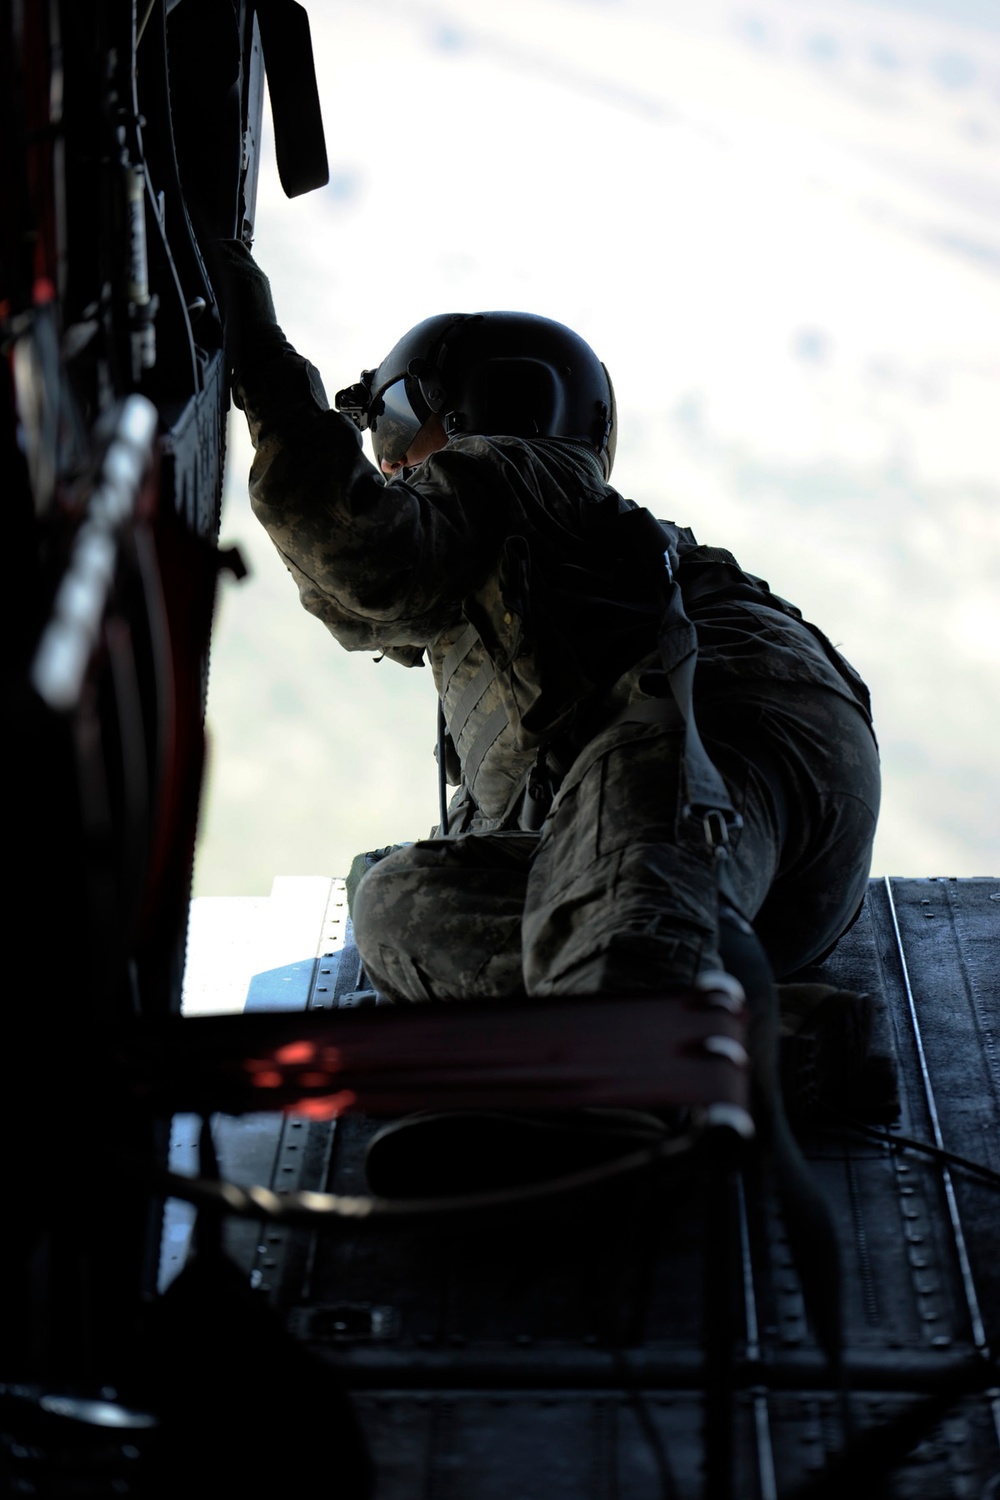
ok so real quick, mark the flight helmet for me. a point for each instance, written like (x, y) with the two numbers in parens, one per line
(494, 374)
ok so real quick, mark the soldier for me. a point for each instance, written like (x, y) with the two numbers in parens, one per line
(620, 703)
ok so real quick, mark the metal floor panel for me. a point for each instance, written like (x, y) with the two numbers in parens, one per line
(290, 951)
(559, 1352)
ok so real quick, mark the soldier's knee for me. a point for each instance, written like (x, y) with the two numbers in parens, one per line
(384, 890)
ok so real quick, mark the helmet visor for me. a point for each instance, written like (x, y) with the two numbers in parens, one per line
(396, 425)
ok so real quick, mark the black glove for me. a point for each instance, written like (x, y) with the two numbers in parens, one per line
(253, 337)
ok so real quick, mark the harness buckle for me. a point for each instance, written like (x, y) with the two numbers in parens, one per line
(717, 825)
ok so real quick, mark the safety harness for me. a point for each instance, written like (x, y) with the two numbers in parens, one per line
(811, 1232)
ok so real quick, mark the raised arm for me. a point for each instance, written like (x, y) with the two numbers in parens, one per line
(382, 565)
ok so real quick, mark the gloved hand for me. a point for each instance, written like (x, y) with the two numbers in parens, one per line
(252, 334)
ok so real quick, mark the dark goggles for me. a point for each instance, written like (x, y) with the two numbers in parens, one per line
(397, 424)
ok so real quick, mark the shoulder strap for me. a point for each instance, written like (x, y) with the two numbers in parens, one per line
(708, 799)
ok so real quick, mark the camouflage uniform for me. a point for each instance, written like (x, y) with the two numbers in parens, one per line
(535, 591)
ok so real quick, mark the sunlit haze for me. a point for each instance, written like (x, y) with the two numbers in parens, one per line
(778, 223)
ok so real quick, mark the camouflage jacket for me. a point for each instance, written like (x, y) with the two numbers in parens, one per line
(531, 586)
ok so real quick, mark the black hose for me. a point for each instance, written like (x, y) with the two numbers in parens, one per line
(442, 732)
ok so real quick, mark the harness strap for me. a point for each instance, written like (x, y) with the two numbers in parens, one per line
(489, 731)
(456, 654)
(468, 698)
(708, 797)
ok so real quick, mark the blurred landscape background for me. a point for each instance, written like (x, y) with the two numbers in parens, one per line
(778, 223)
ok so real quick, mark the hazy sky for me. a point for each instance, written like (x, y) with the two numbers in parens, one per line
(778, 222)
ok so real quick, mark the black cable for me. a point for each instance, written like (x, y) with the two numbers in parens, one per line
(606, 1311)
(206, 1238)
(442, 756)
(899, 1142)
(808, 1220)
(636, 1398)
(316, 1210)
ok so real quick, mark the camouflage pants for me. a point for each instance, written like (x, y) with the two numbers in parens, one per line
(619, 893)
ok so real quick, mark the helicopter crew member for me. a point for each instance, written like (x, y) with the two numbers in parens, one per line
(562, 624)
